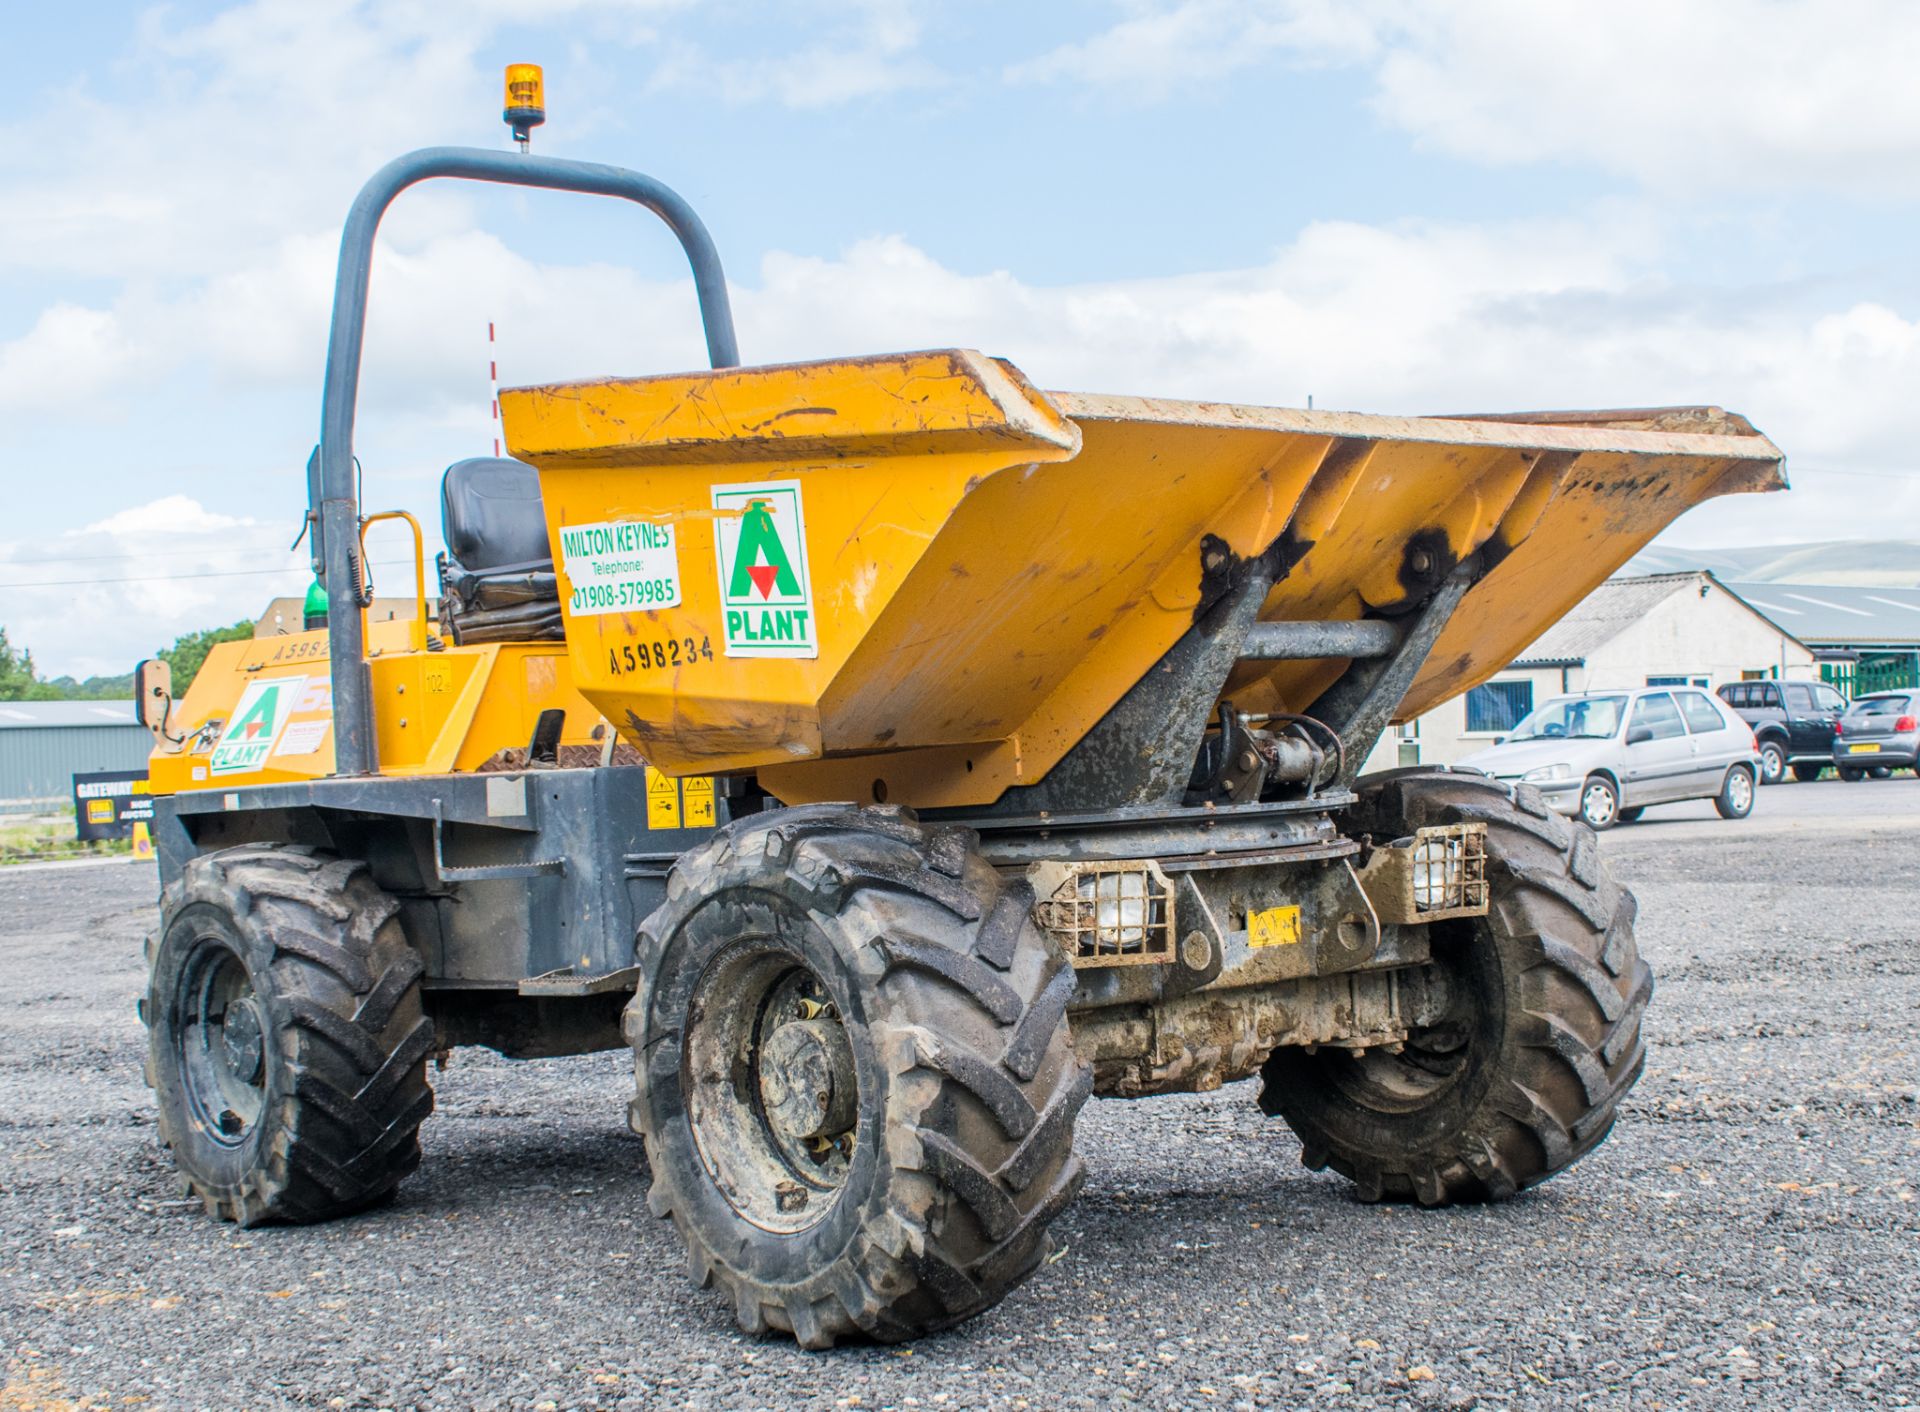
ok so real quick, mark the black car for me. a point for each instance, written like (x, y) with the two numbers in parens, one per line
(1791, 720)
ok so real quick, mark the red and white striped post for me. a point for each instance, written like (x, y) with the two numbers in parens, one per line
(493, 386)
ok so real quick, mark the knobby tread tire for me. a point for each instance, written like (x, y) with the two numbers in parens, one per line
(1561, 991)
(347, 1039)
(963, 1003)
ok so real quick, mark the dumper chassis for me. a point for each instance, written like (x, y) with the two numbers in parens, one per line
(863, 1020)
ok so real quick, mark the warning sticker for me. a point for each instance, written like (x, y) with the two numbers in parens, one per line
(1277, 926)
(663, 800)
(302, 737)
(257, 720)
(624, 566)
(766, 593)
(699, 793)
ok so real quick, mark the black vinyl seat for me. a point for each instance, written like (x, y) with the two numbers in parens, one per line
(496, 576)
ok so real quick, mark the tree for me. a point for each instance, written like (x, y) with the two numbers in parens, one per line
(17, 681)
(189, 652)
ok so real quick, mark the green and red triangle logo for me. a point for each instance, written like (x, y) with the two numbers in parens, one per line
(759, 559)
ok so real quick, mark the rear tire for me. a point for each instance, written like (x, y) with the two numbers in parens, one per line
(286, 1041)
(1735, 799)
(1527, 1073)
(1773, 762)
(1851, 775)
(1807, 771)
(883, 968)
(1631, 816)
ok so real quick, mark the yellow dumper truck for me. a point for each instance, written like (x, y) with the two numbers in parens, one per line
(892, 754)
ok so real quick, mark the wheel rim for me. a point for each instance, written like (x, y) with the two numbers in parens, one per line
(1598, 804)
(1739, 791)
(771, 1087)
(1773, 762)
(220, 1036)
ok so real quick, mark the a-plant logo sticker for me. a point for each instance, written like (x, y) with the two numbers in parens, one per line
(766, 594)
(257, 721)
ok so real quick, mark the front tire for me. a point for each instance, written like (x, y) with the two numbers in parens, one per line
(1526, 1072)
(855, 1078)
(1807, 771)
(1851, 775)
(1735, 799)
(1773, 762)
(287, 1045)
(1599, 803)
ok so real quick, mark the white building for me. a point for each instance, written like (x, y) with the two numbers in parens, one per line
(1661, 630)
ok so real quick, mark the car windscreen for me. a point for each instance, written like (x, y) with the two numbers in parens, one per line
(1880, 706)
(1572, 717)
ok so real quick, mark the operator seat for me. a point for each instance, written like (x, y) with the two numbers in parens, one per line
(496, 576)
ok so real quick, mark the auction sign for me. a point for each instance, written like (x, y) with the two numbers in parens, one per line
(110, 803)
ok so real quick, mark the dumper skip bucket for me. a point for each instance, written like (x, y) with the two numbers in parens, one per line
(918, 578)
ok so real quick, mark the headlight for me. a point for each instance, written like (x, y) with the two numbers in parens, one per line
(1548, 772)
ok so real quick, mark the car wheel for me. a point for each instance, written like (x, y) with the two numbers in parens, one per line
(1807, 771)
(1881, 772)
(1599, 803)
(1735, 800)
(1631, 816)
(1850, 775)
(1773, 762)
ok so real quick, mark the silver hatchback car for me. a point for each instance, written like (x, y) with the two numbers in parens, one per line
(1606, 755)
(1878, 732)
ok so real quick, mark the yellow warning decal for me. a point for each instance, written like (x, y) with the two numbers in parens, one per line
(699, 792)
(663, 801)
(1277, 926)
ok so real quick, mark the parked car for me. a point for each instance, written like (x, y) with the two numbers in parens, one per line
(1792, 720)
(1604, 756)
(1879, 732)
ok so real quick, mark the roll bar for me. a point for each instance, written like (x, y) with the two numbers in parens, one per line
(333, 507)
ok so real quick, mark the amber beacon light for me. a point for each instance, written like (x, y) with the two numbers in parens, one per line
(526, 106)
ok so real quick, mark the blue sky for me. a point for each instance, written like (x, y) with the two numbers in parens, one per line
(1387, 205)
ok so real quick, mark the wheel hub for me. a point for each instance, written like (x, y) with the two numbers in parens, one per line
(806, 1080)
(242, 1040)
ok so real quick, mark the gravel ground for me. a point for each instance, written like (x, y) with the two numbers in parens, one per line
(1748, 1237)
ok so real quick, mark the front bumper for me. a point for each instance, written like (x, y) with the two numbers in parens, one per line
(1562, 796)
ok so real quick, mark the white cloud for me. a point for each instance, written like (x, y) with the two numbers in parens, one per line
(1713, 95)
(1160, 46)
(95, 600)
(205, 142)
(69, 356)
(1418, 317)
(869, 51)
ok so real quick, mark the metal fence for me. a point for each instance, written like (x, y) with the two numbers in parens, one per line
(1891, 671)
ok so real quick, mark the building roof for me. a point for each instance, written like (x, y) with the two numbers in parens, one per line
(1601, 616)
(1834, 615)
(25, 715)
(1617, 605)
